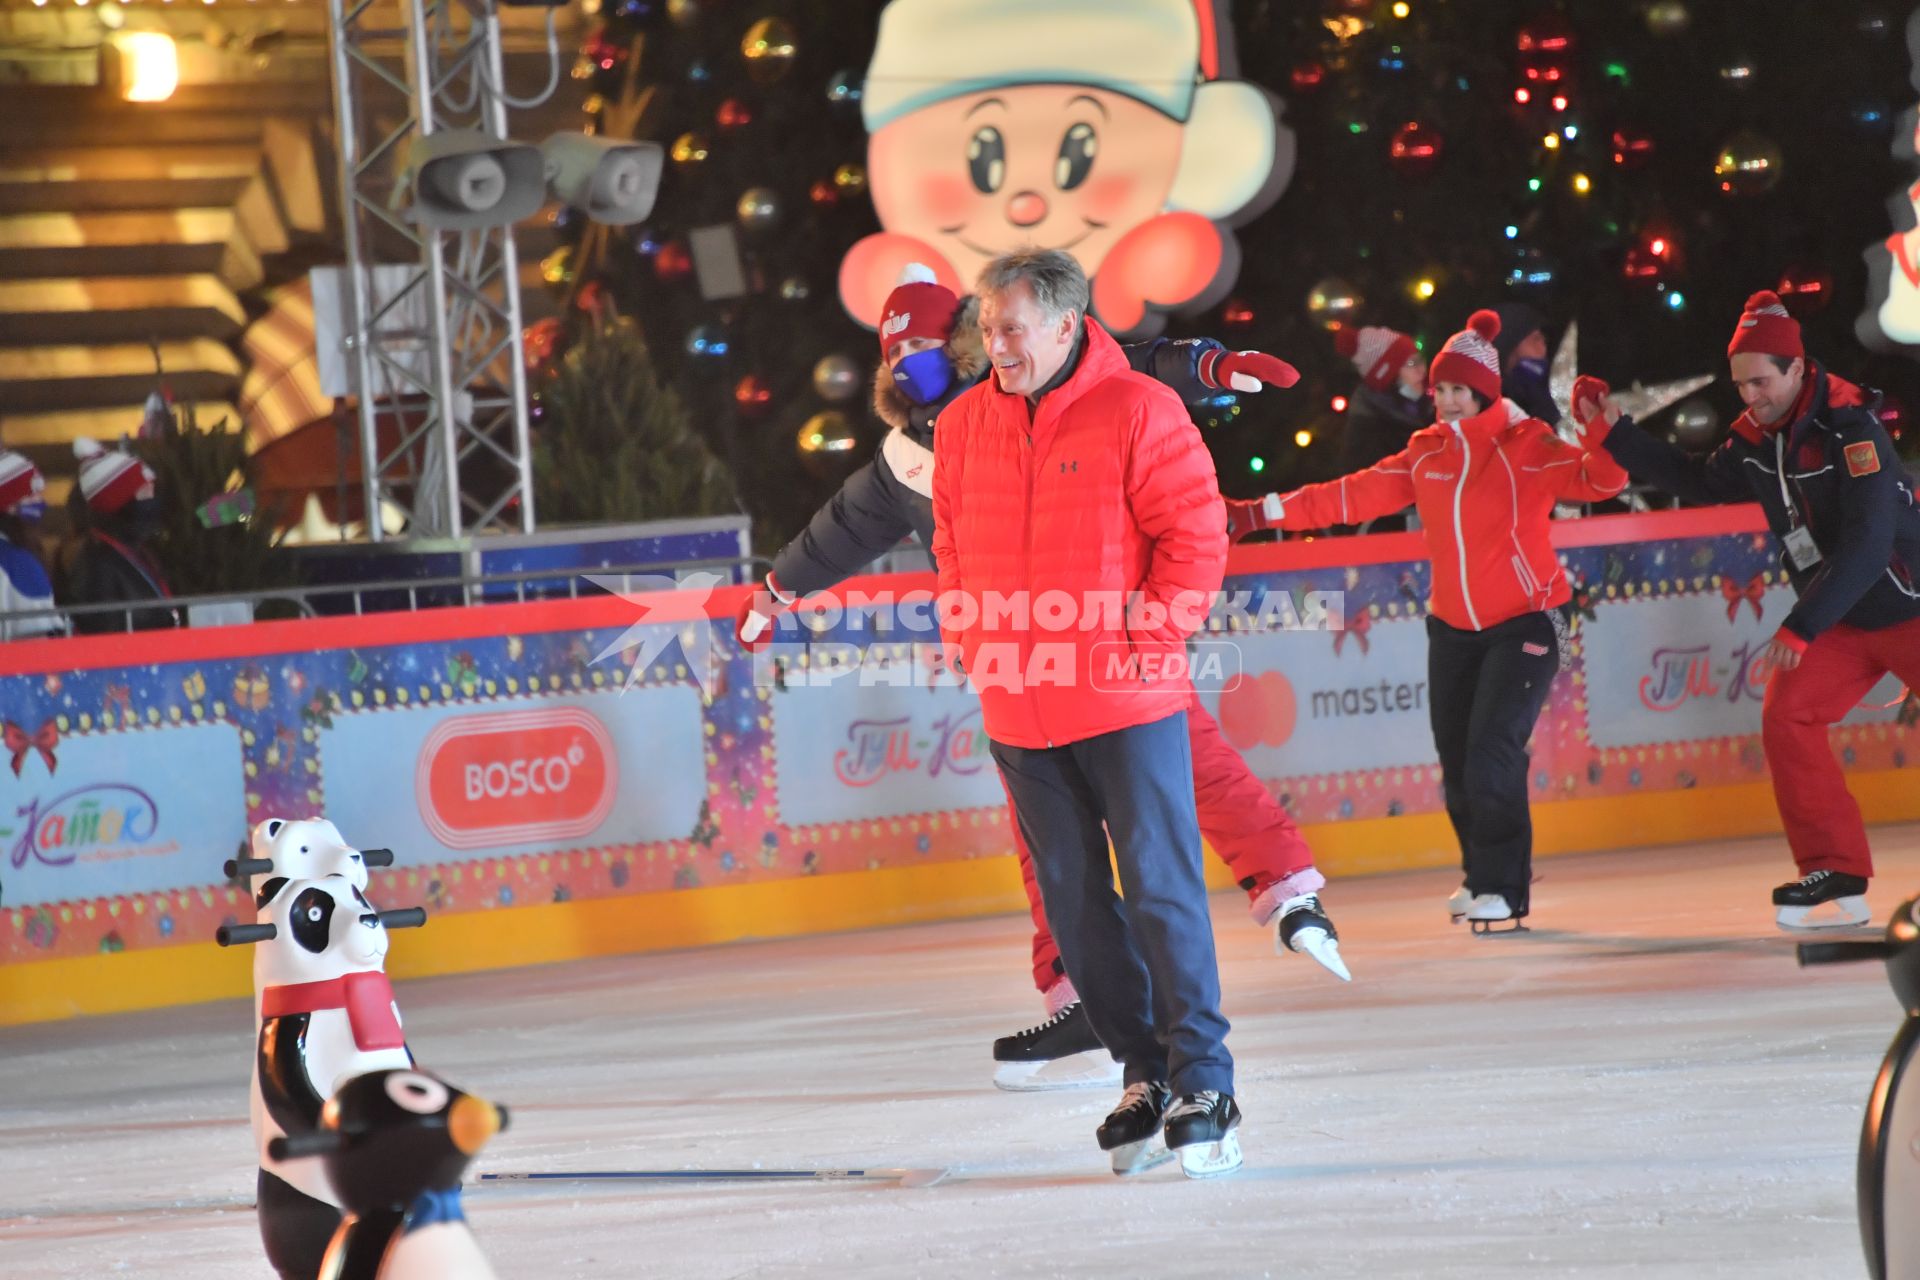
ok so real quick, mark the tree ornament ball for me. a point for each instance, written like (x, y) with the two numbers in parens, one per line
(1333, 303)
(690, 149)
(684, 13)
(1632, 147)
(851, 179)
(826, 442)
(1415, 149)
(836, 378)
(708, 342)
(1696, 424)
(733, 114)
(1805, 289)
(769, 47)
(844, 92)
(673, 262)
(824, 193)
(751, 396)
(1238, 313)
(1747, 164)
(758, 209)
(557, 267)
(795, 289)
(1307, 76)
(1668, 17)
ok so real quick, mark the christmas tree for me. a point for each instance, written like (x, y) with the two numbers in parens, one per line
(1641, 167)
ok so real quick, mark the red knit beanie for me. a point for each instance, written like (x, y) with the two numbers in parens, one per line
(1470, 359)
(1766, 329)
(20, 481)
(918, 307)
(1376, 351)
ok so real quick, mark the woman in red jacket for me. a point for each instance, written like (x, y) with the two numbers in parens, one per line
(1484, 479)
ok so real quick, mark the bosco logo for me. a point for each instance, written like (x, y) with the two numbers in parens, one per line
(516, 777)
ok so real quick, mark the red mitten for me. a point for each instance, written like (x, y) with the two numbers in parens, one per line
(1248, 516)
(1588, 392)
(1164, 262)
(872, 268)
(1245, 371)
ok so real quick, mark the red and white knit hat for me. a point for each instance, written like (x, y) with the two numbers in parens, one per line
(1376, 351)
(110, 478)
(20, 481)
(1469, 358)
(918, 307)
(1766, 329)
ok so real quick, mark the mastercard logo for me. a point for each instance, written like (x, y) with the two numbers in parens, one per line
(1258, 711)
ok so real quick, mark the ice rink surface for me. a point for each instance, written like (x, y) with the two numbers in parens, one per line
(1644, 1086)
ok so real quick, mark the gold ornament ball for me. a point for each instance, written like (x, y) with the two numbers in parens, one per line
(768, 48)
(683, 13)
(1668, 17)
(557, 267)
(1747, 164)
(689, 149)
(851, 179)
(758, 208)
(836, 378)
(1333, 303)
(826, 441)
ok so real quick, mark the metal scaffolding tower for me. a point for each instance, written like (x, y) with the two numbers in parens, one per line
(432, 339)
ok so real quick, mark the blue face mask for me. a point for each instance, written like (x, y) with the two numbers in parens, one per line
(1532, 369)
(924, 376)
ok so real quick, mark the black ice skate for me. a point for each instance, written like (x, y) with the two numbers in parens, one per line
(1130, 1134)
(1302, 925)
(1201, 1131)
(1822, 900)
(1492, 913)
(1060, 1053)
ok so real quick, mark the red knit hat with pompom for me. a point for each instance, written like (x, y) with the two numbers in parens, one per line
(1766, 329)
(1377, 352)
(1469, 358)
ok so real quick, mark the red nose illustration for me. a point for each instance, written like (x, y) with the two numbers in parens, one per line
(1026, 209)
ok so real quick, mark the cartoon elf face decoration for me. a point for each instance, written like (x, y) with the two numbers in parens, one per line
(1047, 166)
(1107, 128)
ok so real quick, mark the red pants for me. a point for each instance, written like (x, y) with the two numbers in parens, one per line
(1822, 820)
(1246, 826)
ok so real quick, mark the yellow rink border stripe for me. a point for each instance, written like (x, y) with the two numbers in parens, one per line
(511, 937)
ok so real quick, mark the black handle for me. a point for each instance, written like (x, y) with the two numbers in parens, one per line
(377, 857)
(399, 918)
(296, 1146)
(237, 867)
(1841, 952)
(229, 934)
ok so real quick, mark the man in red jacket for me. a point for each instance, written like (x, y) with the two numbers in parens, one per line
(1079, 537)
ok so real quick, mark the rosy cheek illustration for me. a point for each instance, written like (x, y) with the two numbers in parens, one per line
(999, 125)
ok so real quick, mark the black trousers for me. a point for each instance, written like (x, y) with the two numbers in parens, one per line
(1486, 689)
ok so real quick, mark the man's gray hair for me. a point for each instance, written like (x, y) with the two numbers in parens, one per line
(1058, 283)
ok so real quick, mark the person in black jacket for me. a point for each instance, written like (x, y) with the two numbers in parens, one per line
(1523, 360)
(115, 509)
(1390, 403)
(1810, 450)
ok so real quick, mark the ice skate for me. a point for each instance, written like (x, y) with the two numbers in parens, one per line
(1822, 900)
(1489, 911)
(1458, 903)
(1060, 1053)
(1302, 925)
(1130, 1135)
(1201, 1130)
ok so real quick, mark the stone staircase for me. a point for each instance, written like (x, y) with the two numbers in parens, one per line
(124, 225)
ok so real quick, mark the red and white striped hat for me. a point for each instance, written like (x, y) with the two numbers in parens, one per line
(20, 481)
(1376, 351)
(1766, 328)
(1469, 358)
(111, 478)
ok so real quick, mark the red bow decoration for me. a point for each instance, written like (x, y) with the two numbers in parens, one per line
(1357, 626)
(1752, 593)
(19, 743)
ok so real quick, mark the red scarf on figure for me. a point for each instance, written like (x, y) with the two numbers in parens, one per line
(367, 998)
(148, 568)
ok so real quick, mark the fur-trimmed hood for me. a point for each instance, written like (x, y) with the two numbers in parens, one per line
(966, 348)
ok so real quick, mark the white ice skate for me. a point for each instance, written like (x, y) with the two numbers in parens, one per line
(1822, 900)
(1458, 902)
(1303, 925)
(1488, 910)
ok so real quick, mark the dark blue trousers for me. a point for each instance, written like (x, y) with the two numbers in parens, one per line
(1143, 965)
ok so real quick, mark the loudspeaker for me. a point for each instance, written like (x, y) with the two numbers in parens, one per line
(462, 179)
(613, 183)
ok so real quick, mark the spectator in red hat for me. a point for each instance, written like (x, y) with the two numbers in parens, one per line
(1484, 478)
(1812, 452)
(1390, 402)
(115, 508)
(24, 586)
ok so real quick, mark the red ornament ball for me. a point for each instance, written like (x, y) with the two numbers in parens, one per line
(824, 193)
(751, 396)
(1548, 34)
(673, 262)
(1237, 314)
(1805, 289)
(1415, 149)
(1307, 76)
(733, 114)
(1632, 148)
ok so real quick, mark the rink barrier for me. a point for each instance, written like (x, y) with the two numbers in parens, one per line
(224, 726)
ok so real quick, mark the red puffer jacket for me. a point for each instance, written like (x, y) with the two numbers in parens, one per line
(1058, 517)
(1485, 487)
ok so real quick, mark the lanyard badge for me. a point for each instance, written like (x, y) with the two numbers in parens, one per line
(1799, 541)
